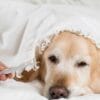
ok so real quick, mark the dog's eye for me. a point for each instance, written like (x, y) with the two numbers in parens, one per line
(53, 59)
(82, 64)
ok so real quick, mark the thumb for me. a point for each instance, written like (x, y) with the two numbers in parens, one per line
(2, 66)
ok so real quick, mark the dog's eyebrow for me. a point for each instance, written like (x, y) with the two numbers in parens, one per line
(87, 59)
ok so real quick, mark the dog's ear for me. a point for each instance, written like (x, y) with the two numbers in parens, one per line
(41, 64)
(2, 66)
(99, 56)
(27, 76)
(95, 83)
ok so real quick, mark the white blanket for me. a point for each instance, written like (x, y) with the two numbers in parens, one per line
(22, 24)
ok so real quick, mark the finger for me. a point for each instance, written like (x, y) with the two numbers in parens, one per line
(3, 77)
(2, 66)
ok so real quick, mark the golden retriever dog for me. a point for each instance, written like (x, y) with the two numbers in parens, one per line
(70, 66)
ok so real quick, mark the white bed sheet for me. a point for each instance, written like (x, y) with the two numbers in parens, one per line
(12, 90)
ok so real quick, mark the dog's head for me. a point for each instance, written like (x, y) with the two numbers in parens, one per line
(68, 65)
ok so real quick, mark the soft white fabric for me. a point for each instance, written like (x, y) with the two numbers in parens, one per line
(92, 3)
(23, 24)
(12, 90)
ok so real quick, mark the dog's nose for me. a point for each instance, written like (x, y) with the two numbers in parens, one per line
(57, 92)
